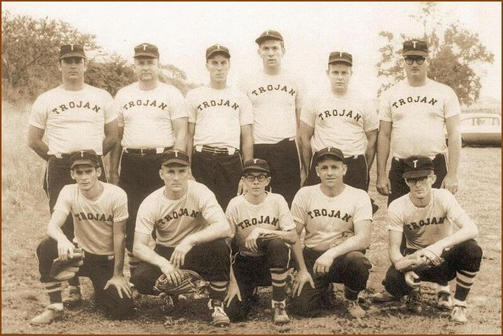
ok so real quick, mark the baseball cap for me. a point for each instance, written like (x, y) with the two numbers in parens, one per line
(340, 57)
(417, 166)
(415, 47)
(146, 50)
(84, 157)
(256, 165)
(177, 157)
(332, 152)
(217, 49)
(269, 35)
(71, 50)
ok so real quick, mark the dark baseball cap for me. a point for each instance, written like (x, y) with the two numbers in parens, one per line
(269, 35)
(417, 166)
(71, 50)
(175, 157)
(217, 49)
(256, 165)
(340, 57)
(415, 47)
(146, 50)
(86, 157)
(333, 152)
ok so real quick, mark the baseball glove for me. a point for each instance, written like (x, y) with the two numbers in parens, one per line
(418, 261)
(192, 285)
(62, 270)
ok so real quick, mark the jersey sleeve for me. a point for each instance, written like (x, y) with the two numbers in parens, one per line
(371, 120)
(299, 97)
(231, 214)
(117, 108)
(393, 217)
(191, 110)
(39, 113)
(384, 108)
(145, 219)
(178, 109)
(452, 107)
(245, 111)
(210, 209)
(308, 112)
(453, 210)
(64, 201)
(120, 210)
(109, 111)
(285, 216)
(299, 205)
(363, 208)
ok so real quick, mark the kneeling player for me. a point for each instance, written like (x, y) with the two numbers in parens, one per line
(99, 212)
(190, 234)
(337, 219)
(427, 217)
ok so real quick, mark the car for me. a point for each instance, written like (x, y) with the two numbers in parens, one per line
(480, 129)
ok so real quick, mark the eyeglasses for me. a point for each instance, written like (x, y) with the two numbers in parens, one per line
(73, 60)
(415, 180)
(410, 60)
(260, 178)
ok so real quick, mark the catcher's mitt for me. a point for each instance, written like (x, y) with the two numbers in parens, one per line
(62, 270)
(418, 261)
(192, 285)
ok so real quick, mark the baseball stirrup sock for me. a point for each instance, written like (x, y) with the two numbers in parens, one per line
(218, 289)
(278, 281)
(53, 289)
(464, 281)
(350, 294)
(133, 261)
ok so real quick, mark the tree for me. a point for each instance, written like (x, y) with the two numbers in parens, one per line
(453, 51)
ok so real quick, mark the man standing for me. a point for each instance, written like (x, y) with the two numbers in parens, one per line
(220, 123)
(190, 229)
(152, 119)
(276, 98)
(73, 116)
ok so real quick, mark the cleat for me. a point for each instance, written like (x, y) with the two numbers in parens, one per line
(354, 309)
(458, 314)
(74, 297)
(49, 315)
(383, 296)
(218, 317)
(444, 301)
(413, 301)
(280, 315)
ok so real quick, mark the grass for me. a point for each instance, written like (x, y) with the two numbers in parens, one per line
(24, 220)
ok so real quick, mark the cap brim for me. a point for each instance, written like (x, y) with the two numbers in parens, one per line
(343, 61)
(221, 52)
(417, 173)
(84, 162)
(259, 169)
(331, 155)
(265, 38)
(148, 55)
(415, 53)
(72, 54)
(175, 162)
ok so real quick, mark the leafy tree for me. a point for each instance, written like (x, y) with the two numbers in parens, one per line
(453, 50)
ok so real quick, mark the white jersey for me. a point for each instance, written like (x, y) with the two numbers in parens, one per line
(73, 120)
(329, 221)
(274, 99)
(93, 220)
(174, 220)
(424, 226)
(147, 115)
(340, 122)
(272, 213)
(418, 115)
(218, 115)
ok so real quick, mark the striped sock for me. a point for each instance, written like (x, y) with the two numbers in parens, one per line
(218, 289)
(464, 281)
(133, 262)
(53, 289)
(350, 294)
(278, 280)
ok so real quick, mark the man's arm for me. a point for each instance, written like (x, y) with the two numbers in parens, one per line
(383, 184)
(305, 134)
(180, 132)
(142, 251)
(115, 156)
(395, 240)
(111, 136)
(450, 181)
(360, 241)
(118, 280)
(371, 147)
(303, 275)
(191, 129)
(36, 143)
(247, 142)
(65, 246)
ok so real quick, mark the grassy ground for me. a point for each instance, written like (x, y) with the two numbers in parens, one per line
(25, 215)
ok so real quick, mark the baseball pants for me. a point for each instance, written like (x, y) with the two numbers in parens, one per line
(350, 269)
(220, 172)
(356, 174)
(99, 268)
(251, 272)
(283, 159)
(210, 260)
(462, 257)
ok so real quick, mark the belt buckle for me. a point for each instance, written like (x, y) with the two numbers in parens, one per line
(198, 148)
(159, 150)
(58, 155)
(231, 150)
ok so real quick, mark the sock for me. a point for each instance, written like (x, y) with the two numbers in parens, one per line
(350, 294)
(217, 290)
(53, 289)
(133, 262)
(464, 281)
(278, 280)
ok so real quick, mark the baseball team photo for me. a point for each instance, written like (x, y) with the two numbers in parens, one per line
(251, 167)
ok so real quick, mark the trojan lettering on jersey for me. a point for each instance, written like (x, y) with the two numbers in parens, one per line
(256, 221)
(175, 214)
(94, 216)
(336, 113)
(428, 221)
(411, 100)
(76, 105)
(145, 102)
(329, 213)
(269, 88)
(217, 102)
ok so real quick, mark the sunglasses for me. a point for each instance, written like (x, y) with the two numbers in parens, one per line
(260, 178)
(410, 59)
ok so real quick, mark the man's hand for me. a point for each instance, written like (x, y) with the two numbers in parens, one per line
(172, 273)
(178, 257)
(65, 249)
(383, 185)
(301, 279)
(121, 284)
(432, 253)
(450, 183)
(251, 240)
(323, 263)
(232, 291)
(412, 279)
(114, 178)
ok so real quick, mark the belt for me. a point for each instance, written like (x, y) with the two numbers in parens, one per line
(96, 257)
(145, 151)
(216, 150)
(432, 158)
(353, 157)
(63, 156)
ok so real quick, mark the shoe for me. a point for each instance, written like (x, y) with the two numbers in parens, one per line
(458, 314)
(218, 317)
(383, 296)
(444, 301)
(354, 308)
(280, 315)
(49, 315)
(74, 297)
(413, 301)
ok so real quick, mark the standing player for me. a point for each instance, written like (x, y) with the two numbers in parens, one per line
(73, 116)
(220, 119)
(99, 212)
(426, 218)
(152, 119)
(276, 98)
(337, 219)
(190, 229)
(262, 225)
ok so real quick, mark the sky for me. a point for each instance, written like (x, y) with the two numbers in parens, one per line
(183, 31)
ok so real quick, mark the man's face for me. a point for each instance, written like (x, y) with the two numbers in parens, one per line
(73, 68)
(256, 182)
(271, 52)
(175, 177)
(218, 66)
(339, 75)
(86, 176)
(330, 171)
(415, 66)
(420, 187)
(146, 68)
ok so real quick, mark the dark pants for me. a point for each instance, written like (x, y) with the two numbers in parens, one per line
(210, 260)
(139, 177)
(251, 272)
(465, 256)
(356, 174)
(283, 159)
(96, 267)
(219, 172)
(350, 269)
